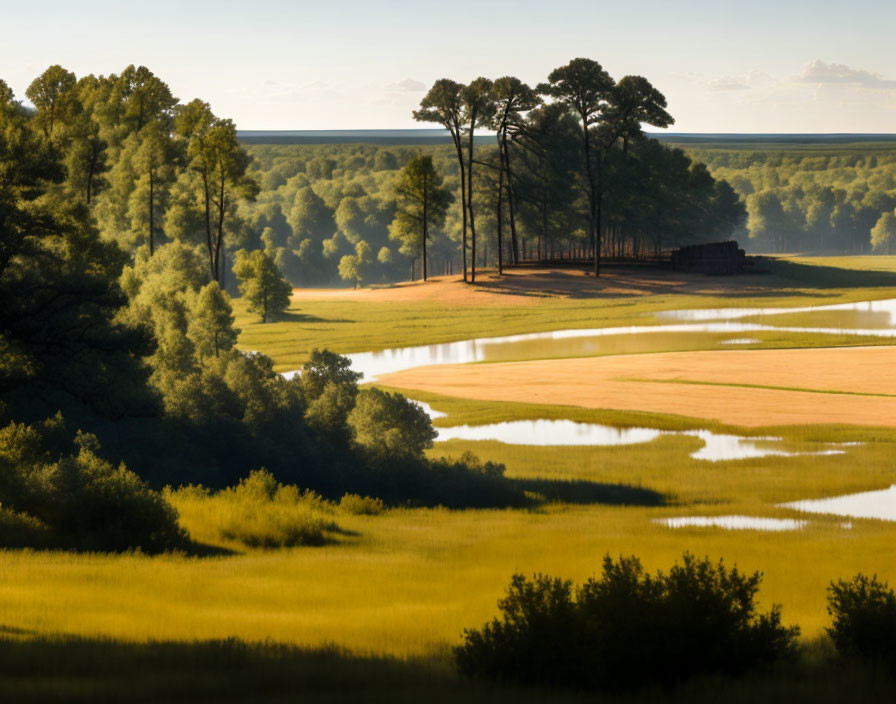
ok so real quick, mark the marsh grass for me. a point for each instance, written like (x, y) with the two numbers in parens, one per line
(259, 512)
(403, 584)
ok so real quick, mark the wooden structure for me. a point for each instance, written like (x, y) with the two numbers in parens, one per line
(710, 258)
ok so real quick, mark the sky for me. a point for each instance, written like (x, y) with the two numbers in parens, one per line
(760, 66)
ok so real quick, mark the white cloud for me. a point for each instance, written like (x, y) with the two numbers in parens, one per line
(821, 73)
(728, 83)
(408, 85)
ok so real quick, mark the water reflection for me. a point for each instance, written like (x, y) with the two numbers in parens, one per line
(550, 432)
(734, 523)
(716, 447)
(879, 504)
(870, 314)
(870, 318)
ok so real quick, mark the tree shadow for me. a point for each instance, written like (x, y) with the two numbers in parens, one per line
(580, 491)
(295, 317)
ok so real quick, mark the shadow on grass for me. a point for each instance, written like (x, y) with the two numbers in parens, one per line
(72, 669)
(295, 317)
(816, 276)
(784, 278)
(585, 492)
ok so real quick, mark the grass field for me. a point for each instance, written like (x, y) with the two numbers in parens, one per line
(396, 590)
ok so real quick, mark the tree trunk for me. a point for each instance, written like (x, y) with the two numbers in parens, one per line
(591, 196)
(470, 201)
(511, 206)
(499, 215)
(455, 134)
(425, 217)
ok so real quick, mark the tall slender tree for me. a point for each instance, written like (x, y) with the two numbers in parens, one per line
(512, 98)
(585, 87)
(221, 165)
(422, 204)
(478, 111)
(443, 105)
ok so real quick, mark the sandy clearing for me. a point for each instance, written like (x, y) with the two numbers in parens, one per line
(529, 285)
(601, 382)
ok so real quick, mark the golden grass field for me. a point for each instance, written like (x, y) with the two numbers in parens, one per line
(851, 385)
(408, 581)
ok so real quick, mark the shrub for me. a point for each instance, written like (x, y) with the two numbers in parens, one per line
(628, 628)
(258, 512)
(863, 610)
(79, 500)
(361, 505)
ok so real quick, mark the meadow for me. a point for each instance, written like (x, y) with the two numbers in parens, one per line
(374, 609)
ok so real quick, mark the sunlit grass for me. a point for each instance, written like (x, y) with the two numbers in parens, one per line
(406, 582)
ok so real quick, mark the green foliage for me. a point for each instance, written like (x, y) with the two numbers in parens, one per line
(422, 204)
(353, 267)
(262, 283)
(210, 326)
(77, 499)
(883, 234)
(628, 628)
(390, 425)
(361, 505)
(863, 612)
(258, 512)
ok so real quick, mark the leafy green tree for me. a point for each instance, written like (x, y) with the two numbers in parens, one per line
(353, 267)
(883, 234)
(52, 93)
(261, 283)
(215, 155)
(388, 425)
(61, 345)
(154, 162)
(422, 206)
(6, 95)
(634, 101)
(585, 87)
(309, 217)
(210, 325)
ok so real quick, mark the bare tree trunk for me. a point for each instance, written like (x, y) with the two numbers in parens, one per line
(470, 201)
(499, 215)
(425, 217)
(463, 196)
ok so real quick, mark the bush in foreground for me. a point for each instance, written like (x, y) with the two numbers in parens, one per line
(258, 512)
(628, 628)
(863, 610)
(72, 498)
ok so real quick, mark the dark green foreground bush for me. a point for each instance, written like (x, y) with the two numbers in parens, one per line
(863, 611)
(72, 498)
(628, 628)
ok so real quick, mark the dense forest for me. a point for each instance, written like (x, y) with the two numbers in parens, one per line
(822, 199)
(118, 372)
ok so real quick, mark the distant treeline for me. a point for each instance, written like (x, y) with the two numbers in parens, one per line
(817, 197)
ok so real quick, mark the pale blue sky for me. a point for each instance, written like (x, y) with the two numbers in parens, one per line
(763, 66)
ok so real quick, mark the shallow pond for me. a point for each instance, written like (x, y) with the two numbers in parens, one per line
(734, 523)
(880, 504)
(869, 318)
(716, 447)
